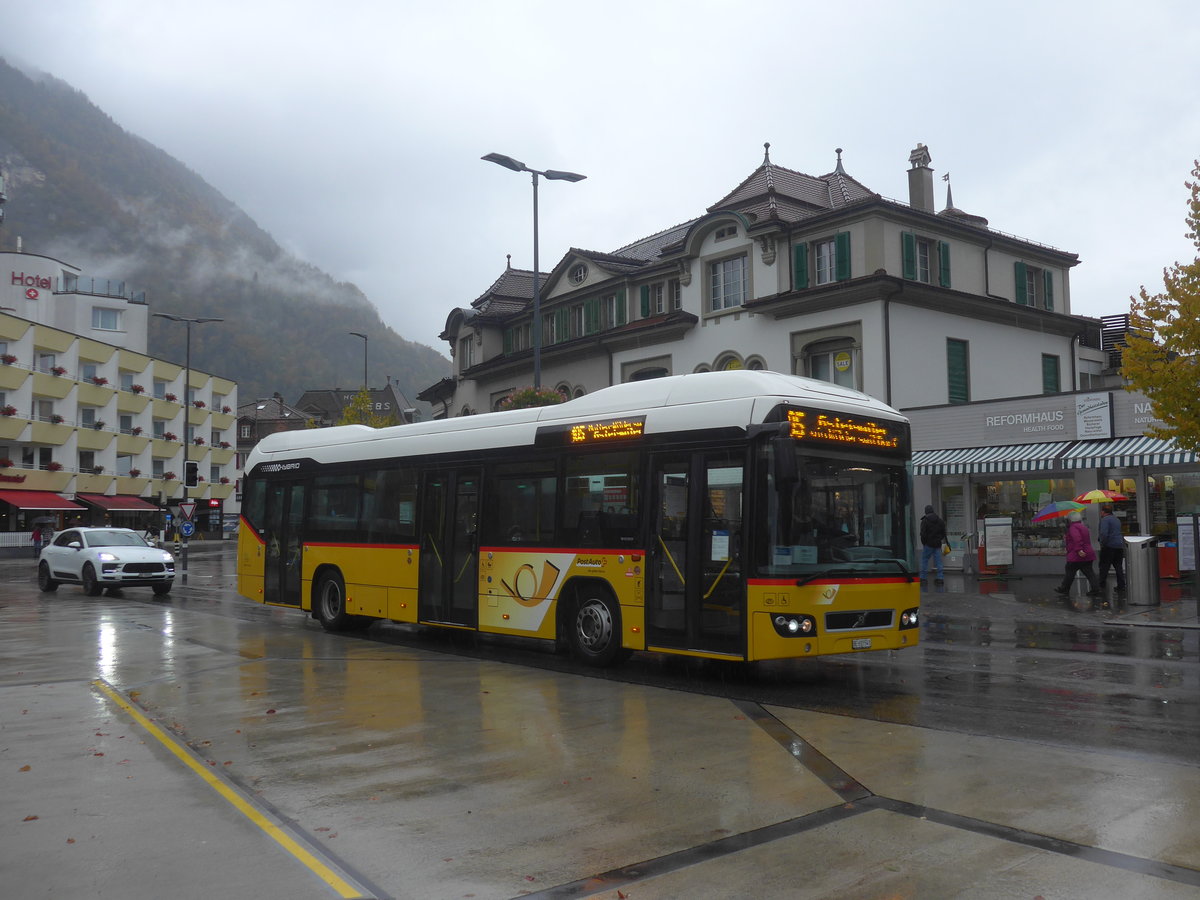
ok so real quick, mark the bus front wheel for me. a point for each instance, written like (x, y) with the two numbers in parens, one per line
(330, 603)
(595, 630)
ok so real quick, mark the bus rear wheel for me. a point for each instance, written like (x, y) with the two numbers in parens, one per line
(594, 630)
(330, 604)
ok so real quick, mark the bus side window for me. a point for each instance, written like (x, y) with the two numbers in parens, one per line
(522, 504)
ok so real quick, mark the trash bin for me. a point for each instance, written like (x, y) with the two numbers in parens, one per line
(1141, 569)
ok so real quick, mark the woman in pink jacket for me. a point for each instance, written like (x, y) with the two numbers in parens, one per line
(1080, 556)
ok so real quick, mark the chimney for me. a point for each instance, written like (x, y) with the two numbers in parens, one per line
(920, 179)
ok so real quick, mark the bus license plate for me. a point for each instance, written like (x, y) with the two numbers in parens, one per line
(860, 644)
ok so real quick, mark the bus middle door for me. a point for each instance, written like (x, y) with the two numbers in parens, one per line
(283, 563)
(449, 569)
(696, 590)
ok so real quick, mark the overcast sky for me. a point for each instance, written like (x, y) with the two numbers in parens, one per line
(353, 131)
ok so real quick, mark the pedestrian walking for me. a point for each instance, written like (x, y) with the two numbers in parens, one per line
(933, 538)
(1112, 547)
(1079, 555)
(39, 539)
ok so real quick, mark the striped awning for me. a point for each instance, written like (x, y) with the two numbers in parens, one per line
(981, 460)
(1125, 452)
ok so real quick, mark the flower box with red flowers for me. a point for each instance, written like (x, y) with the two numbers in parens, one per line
(169, 476)
(6, 463)
(226, 409)
(56, 419)
(8, 410)
(224, 445)
(134, 473)
(8, 359)
(100, 380)
(171, 397)
(58, 370)
(53, 467)
(136, 388)
(224, 479)
(199, 404)
(135, 430)
(199, 442)
(170, 436)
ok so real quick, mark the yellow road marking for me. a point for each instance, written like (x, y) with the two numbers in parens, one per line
(281, 837)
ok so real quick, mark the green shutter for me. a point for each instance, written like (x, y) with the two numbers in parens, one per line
(508, 341)
(1019, 273)
(908, 253)
(622, 308)
(562, 324)
(957, 372)
(943, 264)
(1050, 377)
(842, 264)
(591, 316)
(800, 266)
(1048, 285)
(645, 301)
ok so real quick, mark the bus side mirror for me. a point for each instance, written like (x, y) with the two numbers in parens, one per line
(783, 461)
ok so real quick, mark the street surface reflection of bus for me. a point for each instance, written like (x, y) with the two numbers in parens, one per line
(731, 515)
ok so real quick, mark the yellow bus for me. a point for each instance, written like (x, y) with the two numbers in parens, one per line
(741, 515)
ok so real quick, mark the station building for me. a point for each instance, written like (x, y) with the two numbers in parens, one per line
(967, 329)
(91, 426)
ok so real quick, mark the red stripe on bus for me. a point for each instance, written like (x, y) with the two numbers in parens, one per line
(360, 546)
(849, 579)
(581, 551)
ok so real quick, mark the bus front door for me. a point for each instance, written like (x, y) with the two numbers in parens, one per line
(284, 517)
(696, 595)
(449, 566)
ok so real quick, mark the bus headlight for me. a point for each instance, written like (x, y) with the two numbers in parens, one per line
(793, 625)
(909, 619)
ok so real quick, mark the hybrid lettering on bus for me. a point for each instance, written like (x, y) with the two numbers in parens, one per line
(732, 515)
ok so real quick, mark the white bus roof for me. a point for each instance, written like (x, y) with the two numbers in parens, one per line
(703, 400)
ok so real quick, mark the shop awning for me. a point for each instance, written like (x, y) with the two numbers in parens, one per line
(117, 502)
(38, 500)
(1119, 453)
(982, 460)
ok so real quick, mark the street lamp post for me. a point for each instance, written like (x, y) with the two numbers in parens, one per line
(364, 337)
(187, 412)
(554, 175)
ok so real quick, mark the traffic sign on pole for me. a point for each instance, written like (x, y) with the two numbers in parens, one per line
(188, 529)
(186, 508)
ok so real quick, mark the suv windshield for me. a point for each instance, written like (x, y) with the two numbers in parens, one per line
(114, 539)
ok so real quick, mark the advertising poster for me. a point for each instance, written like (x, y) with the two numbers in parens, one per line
(998, 546)
(1187, 543)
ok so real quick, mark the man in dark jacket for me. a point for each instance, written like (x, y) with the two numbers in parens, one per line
(1112, 547)
(933, 537)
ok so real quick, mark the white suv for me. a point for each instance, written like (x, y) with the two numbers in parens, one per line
(99, 558)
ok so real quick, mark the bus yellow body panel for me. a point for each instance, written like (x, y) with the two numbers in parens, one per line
(519, 589)
(381, 581)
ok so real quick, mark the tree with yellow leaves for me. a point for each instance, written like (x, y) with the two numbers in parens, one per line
(1162, 359)
(359, 412)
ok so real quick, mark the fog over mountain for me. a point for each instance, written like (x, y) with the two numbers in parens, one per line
(83, 190)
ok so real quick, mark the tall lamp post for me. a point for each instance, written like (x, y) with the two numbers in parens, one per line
(554, 175)
(187, 410)
(364, 337)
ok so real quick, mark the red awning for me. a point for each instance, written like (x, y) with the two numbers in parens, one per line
(38, 500)
(117, 501)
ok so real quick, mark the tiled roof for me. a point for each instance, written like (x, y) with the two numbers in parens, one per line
(648, 248)
(513, 284)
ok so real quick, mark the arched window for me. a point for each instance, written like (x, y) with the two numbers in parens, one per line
(728, 362)
(579, 392)
(756, 364)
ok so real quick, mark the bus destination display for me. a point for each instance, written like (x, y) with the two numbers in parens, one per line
(595, 433)
(603, 432)
(841, 428)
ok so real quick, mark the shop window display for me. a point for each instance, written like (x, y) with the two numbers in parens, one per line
(1172, 495)
(1021, 501)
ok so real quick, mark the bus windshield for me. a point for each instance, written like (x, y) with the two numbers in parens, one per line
(833, 517)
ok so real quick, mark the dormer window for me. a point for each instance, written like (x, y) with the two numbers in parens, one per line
(578, 274)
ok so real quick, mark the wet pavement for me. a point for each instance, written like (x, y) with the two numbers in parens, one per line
(203, 746)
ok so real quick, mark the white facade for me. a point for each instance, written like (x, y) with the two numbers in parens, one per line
(85, 412)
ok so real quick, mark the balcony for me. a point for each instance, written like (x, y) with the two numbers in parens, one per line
(93, 484)
(94, 394)
(128, 484)
(222, 457)
(129, 402)
(12, 427)
(131, 444)
(12, 376)
(55, 433)
(165, 409)
(47, 384)
(94, 439)
(163, 449)
(38, 479)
